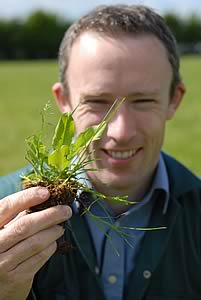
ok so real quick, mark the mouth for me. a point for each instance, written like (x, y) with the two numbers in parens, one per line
(117, 154)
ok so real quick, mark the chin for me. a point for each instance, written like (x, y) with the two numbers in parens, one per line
(120, 185)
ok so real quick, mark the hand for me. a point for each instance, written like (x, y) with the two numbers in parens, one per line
(26, 241)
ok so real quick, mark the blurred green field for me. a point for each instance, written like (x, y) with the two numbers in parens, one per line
(26, 87)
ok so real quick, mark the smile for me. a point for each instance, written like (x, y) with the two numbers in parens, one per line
(121, 154)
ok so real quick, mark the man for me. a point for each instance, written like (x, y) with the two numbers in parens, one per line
(113, 52)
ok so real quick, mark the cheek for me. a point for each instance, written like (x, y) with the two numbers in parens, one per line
(84, 119)
(153, 126)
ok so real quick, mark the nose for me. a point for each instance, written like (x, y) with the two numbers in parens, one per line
(122, 127)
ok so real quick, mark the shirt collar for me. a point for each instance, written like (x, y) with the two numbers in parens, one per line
(161, 182)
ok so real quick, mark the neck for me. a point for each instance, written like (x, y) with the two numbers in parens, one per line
(134, 195)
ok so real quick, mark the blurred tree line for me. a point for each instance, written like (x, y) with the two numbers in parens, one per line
(40, 34)
(36, 37)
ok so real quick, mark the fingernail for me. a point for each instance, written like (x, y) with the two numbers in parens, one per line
(43, 192)
(67, 210)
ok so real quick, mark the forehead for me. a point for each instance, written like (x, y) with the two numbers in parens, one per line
(96, 58)
(89, 40)
(91, 44)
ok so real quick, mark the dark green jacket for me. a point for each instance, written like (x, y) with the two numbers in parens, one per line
(169, 263)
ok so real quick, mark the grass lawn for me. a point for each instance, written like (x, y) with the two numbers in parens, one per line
(26, 88)
(183, 139)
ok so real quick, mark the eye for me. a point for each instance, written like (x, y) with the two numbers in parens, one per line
(96, 101)
(98, 104)
(143, 104)
(144, 100)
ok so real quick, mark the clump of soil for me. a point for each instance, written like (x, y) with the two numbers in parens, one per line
(61, 193)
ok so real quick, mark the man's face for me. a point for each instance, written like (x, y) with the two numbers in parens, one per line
(104, 68)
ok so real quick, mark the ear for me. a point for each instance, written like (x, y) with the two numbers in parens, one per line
(61, 98)
(175, 100)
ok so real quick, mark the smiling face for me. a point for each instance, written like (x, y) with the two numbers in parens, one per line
(103, 68)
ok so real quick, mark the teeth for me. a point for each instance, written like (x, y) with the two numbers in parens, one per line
(123, 154)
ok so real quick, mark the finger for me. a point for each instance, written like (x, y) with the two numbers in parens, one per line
(20, 215)
(22, 251)
(30, 267)
(15, 203)
(21, 278)
(30, 224)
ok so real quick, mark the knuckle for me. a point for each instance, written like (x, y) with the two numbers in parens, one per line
(9, 202)
(49, 251)
(34, 244)
(43, 255)
(4, 263)
(5, 204)
(41, 241)
(22, 227)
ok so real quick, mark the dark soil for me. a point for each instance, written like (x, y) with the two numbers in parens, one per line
(61, 193)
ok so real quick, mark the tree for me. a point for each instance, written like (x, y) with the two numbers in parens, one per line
(10, 37)
(42, 35)
(177, 26)
(192, 32)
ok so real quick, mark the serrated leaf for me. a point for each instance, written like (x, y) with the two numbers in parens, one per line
(58, 158)
(64, 132)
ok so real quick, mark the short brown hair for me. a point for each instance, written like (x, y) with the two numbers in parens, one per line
(113, 19)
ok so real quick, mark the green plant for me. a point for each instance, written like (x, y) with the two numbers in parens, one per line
(59, 168)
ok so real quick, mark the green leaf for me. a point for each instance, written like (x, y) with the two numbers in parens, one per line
(36, 150)
(98, 130)
(82, 140)
(58, 158)
(64, 132)
(31, 157)
(43, 153)
(86, 137)
(32, 151)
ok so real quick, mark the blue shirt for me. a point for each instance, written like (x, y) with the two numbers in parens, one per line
(117, 253)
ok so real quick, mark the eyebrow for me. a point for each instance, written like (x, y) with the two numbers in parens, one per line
(96, 94)
(143, 93)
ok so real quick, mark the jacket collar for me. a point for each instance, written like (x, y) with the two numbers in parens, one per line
(181, 179)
